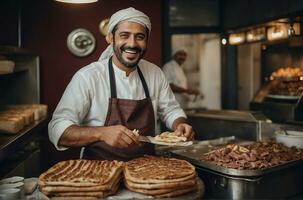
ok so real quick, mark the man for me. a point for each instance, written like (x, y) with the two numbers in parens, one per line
(176, 77)
(107, 99)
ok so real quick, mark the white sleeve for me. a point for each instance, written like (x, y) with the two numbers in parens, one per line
(168, 73)
(72, 108)
(168, 108)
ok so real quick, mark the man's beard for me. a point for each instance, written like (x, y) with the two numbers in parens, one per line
(119, 51)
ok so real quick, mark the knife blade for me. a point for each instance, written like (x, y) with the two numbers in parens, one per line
(144, 138)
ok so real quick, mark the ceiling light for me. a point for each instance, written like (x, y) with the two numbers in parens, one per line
(256, 34)
(77, 1)
(224, 41)
(236, 38)
(277, 32)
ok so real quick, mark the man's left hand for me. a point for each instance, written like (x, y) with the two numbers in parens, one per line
(185, 130)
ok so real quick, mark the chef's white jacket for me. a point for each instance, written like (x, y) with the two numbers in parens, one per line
(85, 100)
(175, 75)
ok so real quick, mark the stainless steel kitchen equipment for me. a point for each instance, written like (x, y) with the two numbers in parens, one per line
(281, 181)
(280, 96)
(290, 137)
(19, 153)
(23, 85)
(279, 108)
(212, 124)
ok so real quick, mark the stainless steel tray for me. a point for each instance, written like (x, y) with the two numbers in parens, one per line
(285, 97)
(194, 153)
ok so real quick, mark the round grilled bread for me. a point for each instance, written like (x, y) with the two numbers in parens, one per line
(80, 173)
(175, 185)
(151, 169)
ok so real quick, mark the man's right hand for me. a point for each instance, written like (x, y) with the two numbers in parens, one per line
(119, 136)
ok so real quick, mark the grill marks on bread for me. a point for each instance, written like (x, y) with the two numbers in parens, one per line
(80, 173)
(159, 176)
(154, 169)
(86, 179)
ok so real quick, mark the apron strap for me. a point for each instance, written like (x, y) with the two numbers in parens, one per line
(112, 82)
(143, 82)
(113, 90)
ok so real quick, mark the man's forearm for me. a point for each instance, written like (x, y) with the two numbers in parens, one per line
(76, 136)
(177, 89)
(178, 121)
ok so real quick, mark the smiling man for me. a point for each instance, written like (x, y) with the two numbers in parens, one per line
(120, 92)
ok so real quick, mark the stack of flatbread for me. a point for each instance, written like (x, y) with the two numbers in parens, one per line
(81, 179)
(159, 176)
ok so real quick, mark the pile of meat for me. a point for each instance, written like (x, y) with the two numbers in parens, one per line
(258, 155)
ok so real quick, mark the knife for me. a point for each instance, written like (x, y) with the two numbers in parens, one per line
(144, 138)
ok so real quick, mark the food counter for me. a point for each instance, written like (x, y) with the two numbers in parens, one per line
(238, 183)
(94, 179)
(280, 98)
(226, 127)
(214, 129)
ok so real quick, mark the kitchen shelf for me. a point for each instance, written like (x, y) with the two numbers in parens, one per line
(10, 143)
(12, 50)
(17, 71)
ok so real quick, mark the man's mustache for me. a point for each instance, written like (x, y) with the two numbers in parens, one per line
(137, 49)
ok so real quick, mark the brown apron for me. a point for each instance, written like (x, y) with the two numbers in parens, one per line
(134, 114)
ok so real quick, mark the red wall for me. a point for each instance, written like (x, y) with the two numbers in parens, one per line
(46, 25)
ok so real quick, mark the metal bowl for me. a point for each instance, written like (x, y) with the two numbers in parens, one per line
(290, 138)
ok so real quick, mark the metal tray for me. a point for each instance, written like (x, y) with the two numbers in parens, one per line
(289, 97)
(195, 152)
(285, 78)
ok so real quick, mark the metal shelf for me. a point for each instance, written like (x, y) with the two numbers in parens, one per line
(10, 143)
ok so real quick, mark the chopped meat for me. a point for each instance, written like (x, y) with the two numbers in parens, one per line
(258, 155)
(264, 154)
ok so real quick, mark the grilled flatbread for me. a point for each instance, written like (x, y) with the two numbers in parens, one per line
(151, 169)
(80, 173)
(77, 194)
(112, 184)
(175, 185)
(100, 194)
(177, 192)
(170, 137)
(156, 192)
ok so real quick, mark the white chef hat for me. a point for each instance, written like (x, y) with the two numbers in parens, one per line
(176, 50)
(130, 15)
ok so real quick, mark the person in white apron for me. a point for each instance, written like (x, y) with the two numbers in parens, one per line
(120, 92)
(177, 79)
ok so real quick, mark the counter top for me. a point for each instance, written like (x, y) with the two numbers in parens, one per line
(10, 143)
